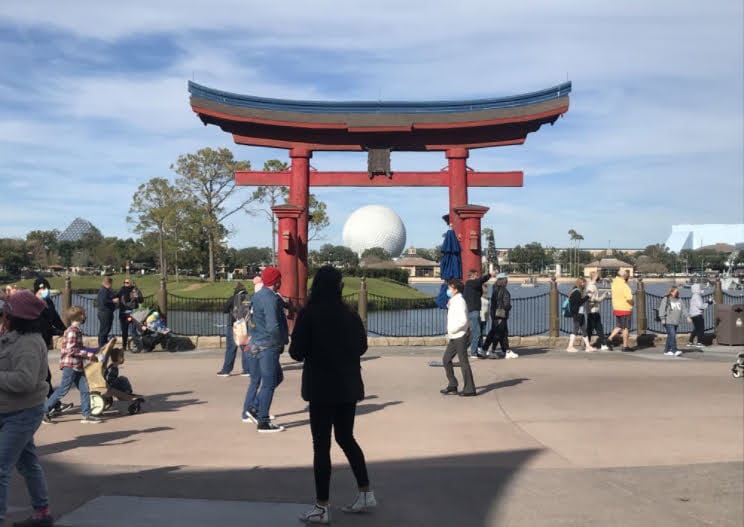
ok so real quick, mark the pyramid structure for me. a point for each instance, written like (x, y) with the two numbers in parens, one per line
(75, 231)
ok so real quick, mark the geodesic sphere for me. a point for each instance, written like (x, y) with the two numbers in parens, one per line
(375, 226)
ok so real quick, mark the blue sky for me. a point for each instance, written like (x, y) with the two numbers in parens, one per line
(93, 102)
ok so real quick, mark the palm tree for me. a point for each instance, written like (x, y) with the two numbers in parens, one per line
(575, 242)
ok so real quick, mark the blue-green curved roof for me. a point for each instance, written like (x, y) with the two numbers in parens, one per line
(377, 107)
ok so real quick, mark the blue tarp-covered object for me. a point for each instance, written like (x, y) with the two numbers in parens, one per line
(450, 266)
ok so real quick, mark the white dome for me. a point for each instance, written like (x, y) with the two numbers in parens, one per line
(375, 226)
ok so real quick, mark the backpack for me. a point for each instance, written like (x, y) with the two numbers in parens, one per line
(241, 307)
(566, 308)
(241, 312)
(657, 315)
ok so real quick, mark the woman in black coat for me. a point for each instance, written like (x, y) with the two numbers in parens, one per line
(330, 339)
(577, 302)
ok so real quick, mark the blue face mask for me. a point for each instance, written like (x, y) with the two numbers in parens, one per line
(449, 293)
(45, 293)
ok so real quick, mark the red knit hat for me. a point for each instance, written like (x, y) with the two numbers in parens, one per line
(24, 304)
(270, 276)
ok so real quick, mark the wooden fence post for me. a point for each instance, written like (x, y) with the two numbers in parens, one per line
(162, 297)
(553, 315)
(363, 301)
(66, 300)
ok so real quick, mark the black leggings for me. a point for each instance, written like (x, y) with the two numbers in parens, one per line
(698, 329)
(340, 417)
(499, 334)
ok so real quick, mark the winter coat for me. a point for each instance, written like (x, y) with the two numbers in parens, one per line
(330, 339)
(23, 371)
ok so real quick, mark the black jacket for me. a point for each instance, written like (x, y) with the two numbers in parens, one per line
(500, 299)
(575, 301)
(51, 323)
(330, 339)
(129, 298)
(473, 292)
(227, 307)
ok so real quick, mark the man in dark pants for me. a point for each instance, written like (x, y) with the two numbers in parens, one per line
(472, 294)
(457, 335)
(107, 302)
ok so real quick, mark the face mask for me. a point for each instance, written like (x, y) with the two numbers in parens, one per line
(449, 293)
(45, 293)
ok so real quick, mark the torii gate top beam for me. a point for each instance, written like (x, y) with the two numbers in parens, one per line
(402, 126)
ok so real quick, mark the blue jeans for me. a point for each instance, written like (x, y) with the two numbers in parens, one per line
(70, 377)
(671, 341)
(268, 376)
(231, 350)
(17, 449)
(475, 331)
(251, 394)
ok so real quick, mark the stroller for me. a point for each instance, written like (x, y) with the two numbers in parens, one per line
(102, 393)
(149, 330)
(737, 370)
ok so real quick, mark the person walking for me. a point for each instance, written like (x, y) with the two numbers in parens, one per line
(269, 334)
(233, 306)
(671, 312)
(697, 307)
(485, 317)
(51, 326)
(500, 308)
(130, 298)
(622, 307)
(107, 302)
(329, 339)
(472, 294)
(23, 388)
(577, 305)
(457, 335)
(73, 372)
(594, 316)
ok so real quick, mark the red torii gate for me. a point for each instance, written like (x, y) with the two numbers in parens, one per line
(302, 127)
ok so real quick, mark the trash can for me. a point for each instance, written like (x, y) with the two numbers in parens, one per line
(730, 324)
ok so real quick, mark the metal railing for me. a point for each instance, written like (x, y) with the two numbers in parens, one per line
(391, 317)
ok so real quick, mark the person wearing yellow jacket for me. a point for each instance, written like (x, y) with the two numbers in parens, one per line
(622, 306)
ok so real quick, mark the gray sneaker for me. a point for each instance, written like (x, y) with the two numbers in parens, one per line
(91, 420)
(318, 514)
(364, 502)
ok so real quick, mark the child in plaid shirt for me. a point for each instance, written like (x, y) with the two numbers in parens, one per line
(71, 364)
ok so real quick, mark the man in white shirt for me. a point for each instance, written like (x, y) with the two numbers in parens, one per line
(457, 333)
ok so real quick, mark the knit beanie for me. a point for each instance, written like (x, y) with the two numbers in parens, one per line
(270, 276)
(24, 304)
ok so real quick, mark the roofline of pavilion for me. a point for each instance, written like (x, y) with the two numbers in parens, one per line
(198, 91)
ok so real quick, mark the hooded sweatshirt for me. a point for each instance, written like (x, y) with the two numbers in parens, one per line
(23, 371)
(697, 304)
(672, 311)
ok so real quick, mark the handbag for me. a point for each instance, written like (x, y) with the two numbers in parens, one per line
(240, 332)
(499, 312)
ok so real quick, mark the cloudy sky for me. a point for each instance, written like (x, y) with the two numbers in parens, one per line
(94, 101)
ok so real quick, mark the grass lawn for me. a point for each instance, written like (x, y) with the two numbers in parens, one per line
(192, 287)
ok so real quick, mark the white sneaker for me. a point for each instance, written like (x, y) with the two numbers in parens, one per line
(670, 353)
(604, 348)
(677, 353)
(318, 514)
(363, 502)
(511, 355)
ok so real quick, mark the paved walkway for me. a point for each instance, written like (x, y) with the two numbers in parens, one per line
(553, 439)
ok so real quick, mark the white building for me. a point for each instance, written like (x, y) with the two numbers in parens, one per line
(697, 236)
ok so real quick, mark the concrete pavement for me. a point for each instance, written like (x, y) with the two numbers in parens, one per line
(552, 439)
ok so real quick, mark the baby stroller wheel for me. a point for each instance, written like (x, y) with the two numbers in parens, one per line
(134, 408)
(736, 372)
(107, 402)
(97, 404)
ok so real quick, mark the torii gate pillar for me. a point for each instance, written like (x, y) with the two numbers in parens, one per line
(458, 187)
(288, 261)
(299, 192)
(470, 245)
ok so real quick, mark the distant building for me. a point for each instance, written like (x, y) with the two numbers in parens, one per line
(76, 230)
(607, 267)
(417, 267)
(697, 236)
